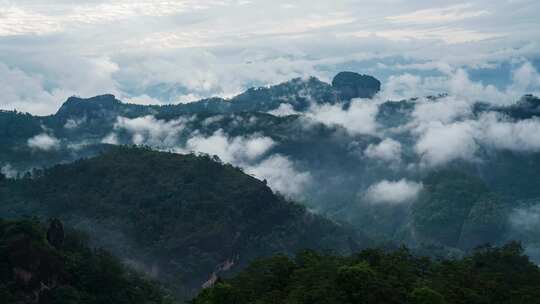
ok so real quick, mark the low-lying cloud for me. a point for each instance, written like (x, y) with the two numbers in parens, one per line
(43, 142)
(236, 150)
(150, 131)
(282, 176)
(388, 150)
(442, 143)
(393, 192)
(359, 118)
(252, 152)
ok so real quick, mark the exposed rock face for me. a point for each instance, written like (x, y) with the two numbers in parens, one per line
(353, 85)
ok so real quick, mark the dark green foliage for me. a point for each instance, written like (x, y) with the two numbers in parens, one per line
(176, 216)
(33, 271)
(458, 210)
(490, 275)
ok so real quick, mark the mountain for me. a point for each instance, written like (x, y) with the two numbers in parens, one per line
(298, 93)
(434, 171)
(353, 85)
(180, 218)
(50, 266)
(489, 275)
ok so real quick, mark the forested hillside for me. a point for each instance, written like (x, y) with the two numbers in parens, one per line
(49, 266)
(180, 218)
(490, 275)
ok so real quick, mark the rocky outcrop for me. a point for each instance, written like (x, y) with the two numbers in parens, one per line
(352, 85)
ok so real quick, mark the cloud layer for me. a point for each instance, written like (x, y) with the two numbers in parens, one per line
(251, 152)
(163, 52)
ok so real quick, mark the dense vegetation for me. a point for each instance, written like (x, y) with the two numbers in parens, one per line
(459, 210)
(490, 275)
(49, 267)
(178, 217)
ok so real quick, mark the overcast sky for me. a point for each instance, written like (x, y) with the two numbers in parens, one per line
(177, 51)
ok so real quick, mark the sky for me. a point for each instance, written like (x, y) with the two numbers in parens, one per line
(159, 52)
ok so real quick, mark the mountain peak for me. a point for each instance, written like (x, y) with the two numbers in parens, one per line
(77, 105)
(353, 85)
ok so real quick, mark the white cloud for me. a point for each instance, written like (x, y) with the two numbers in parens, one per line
(27, 93)
(458, 84)
(525, 78)
(39, 20)
(249, 153)
(8, 171)
(142, 100)
(388, 150)
(500, 133)
(111, 139)
(526, 220)
(359, 118)
(148, 130)
(442, 143)
(282, 176)
(43, 142)
(284, 109)
(444, 110)
(235, 150)
(74, 123)
(216, 47)
(447, 131)
(393, 192)
(439, 15)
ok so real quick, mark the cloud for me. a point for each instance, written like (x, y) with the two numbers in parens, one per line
(525, 78)
(388, 150)
(524, 225)
(393, 192)
(237, 150)
(500, 133)
(142, 100)
(359, 118)
(8, 171)
(444, 110)
(439, 15)
(74, 123)
(526, 220)
(204, 48)
(458, 84)
(249, 152)
(442, 143)
(446, 131)
(43, 142)
(150, 131)
(111, 139)
(45, 81)
(27, 93)
(282, 176)
(37, 20)
(284, 109)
